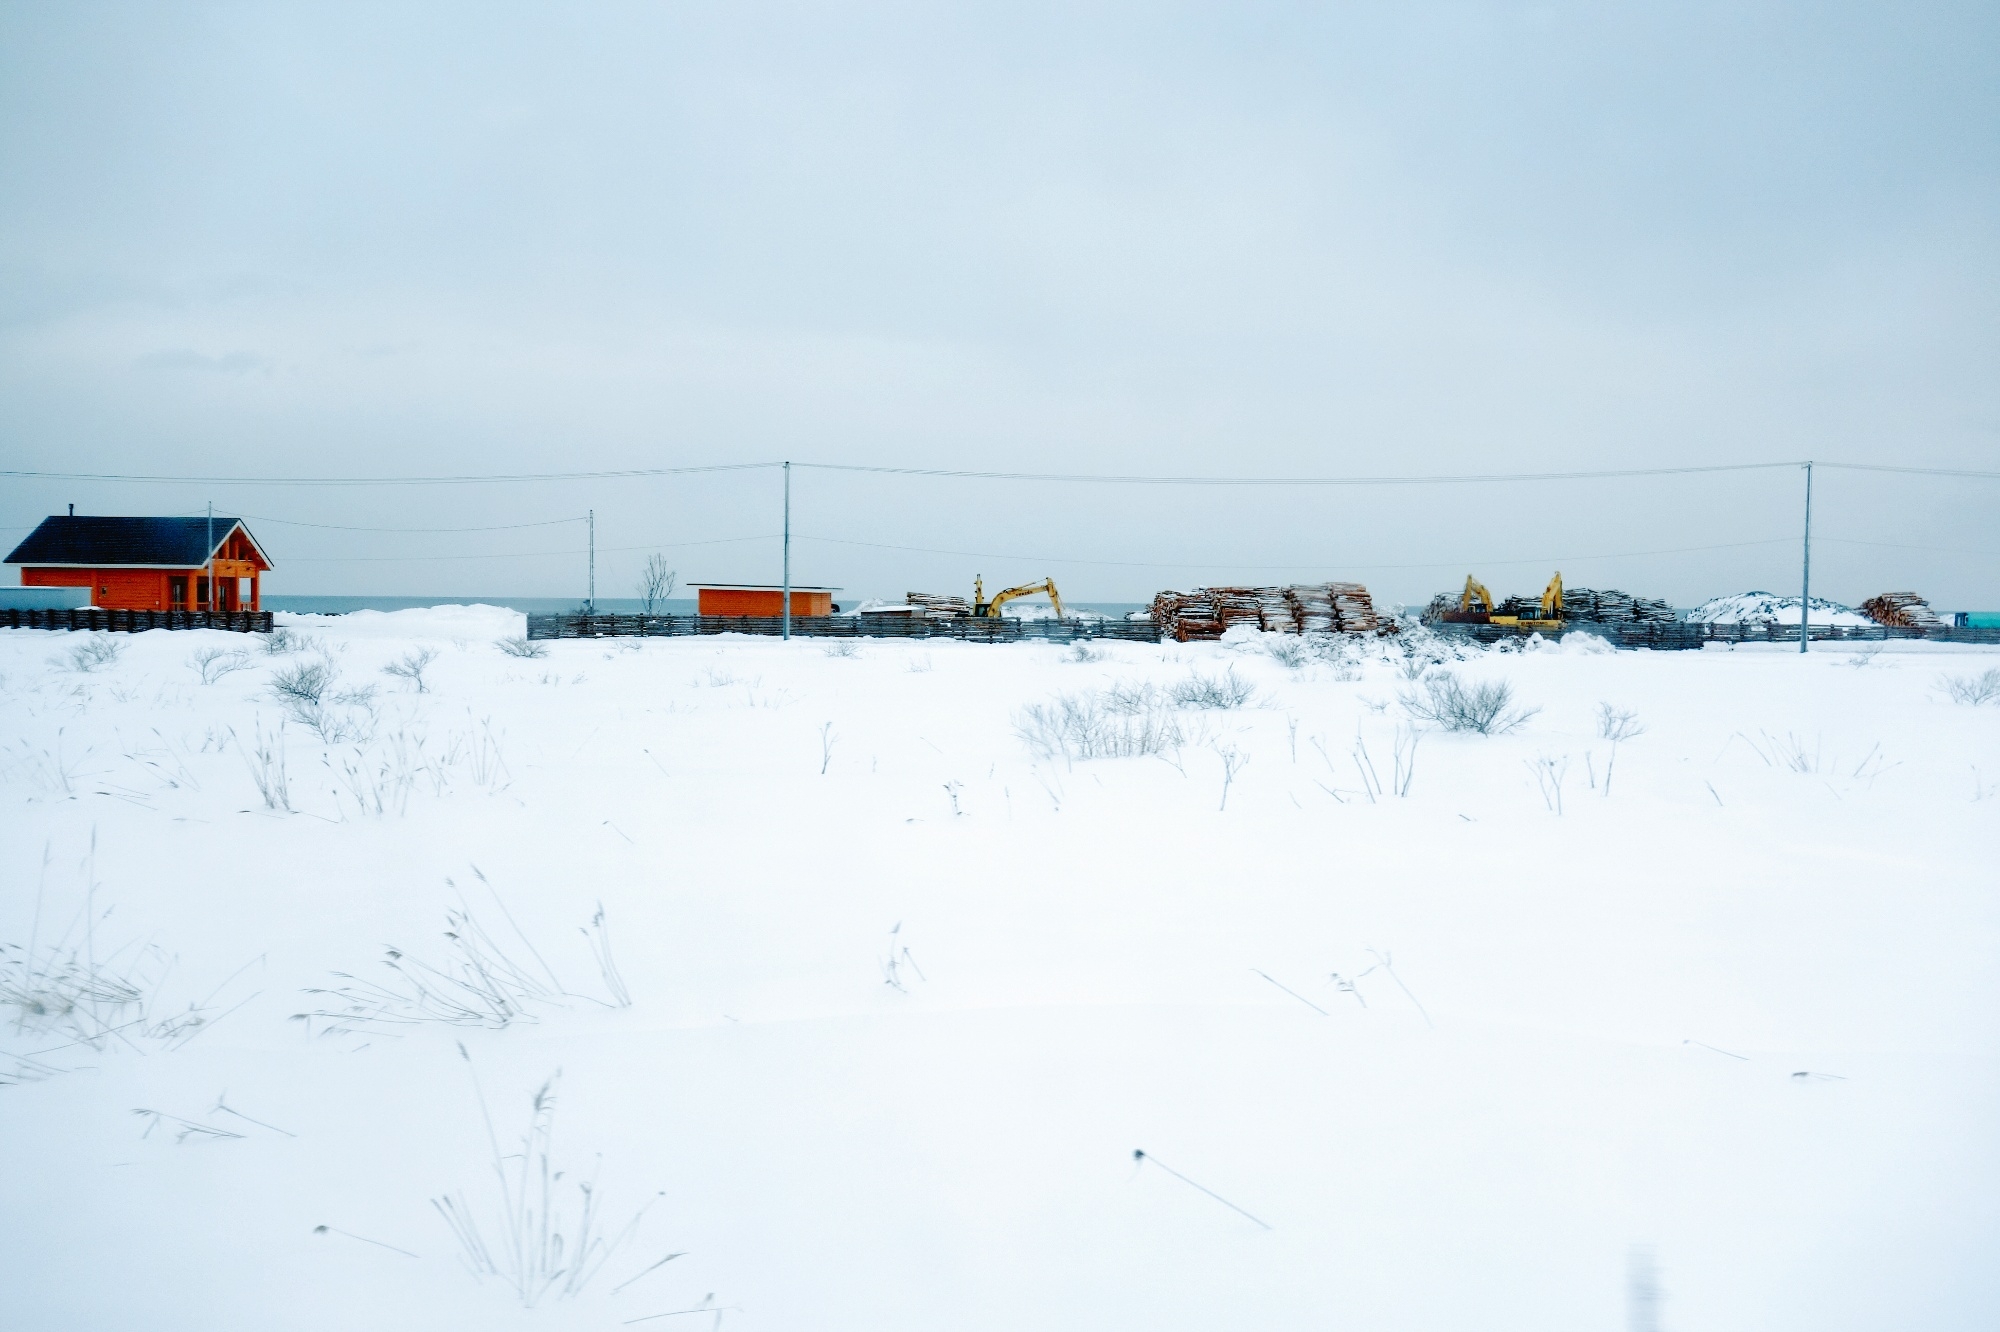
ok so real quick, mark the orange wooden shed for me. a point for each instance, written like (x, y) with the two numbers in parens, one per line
(766, 599)
(147, 563)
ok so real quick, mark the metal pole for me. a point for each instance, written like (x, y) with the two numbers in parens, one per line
(1805, 568)
(590, 601)
(208, 602)
(788, 553)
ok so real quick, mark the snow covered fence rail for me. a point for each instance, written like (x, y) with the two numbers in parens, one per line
(1688, 634)
(978, 629)
(134, 621)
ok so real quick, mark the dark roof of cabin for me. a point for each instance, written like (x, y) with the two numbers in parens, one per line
(177, 543)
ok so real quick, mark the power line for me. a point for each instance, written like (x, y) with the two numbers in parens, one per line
(338, 527)
(465, 480)
(1137, 479)
(1898, 545)
(1912, 471)
(1279, 568)
(1089, 478)
(508, 555)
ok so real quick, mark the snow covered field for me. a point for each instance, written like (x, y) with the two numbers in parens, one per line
(905, 996)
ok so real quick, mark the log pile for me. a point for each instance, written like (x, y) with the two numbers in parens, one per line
(1611, 606)
(1591, 605)
(1901, 610)
(933, 606)
(1308, 608)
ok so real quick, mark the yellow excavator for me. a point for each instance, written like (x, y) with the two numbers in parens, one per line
(1476, 606)
(991, 609)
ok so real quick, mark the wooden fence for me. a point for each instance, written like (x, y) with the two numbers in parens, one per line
(976, 629)
(1671, 635)
(135, 621)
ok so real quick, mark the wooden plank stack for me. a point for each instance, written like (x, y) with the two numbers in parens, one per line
(934, 606)
(1209, 612)
(1611, 606)
(1901, 610)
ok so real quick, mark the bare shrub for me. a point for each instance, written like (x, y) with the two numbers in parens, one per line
(1617, 724)
(1413, 666)
(1449, 703)
(212, 663)
(598, 935)
(1083, 653)
(411, 666)
(523, 647)
(1787, 751)
(898, 961)
(656, 584)
(546, 1240)
(1220, 692)
(481, 978)
(1128, 698)
(1340, 652)
(1074, 727)
(1972, 690)
(354, 724)
(74, 996)
(1289, 650)
(336, 716)
(267, 768)
(280, 642)
(1234, 761)
(304, 682)
(1549, 774)
(94, 653)
(843, 648)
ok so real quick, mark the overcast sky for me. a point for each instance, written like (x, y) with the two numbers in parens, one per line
(369, 240)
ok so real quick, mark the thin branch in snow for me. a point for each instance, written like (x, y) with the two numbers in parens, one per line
(1385, 962)
(1141, 1157)
(1294, 993)
(335, 1230)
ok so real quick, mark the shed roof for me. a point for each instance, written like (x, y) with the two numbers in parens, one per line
(760, 587)
(110, 543)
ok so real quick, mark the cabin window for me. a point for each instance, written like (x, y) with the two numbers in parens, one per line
(177, 592)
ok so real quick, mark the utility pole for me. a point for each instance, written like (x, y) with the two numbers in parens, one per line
(590, 601)
(788, 553)
(208, 602)
(1805, 568)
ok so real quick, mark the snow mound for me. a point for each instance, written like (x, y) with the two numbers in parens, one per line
(1770, 608)
(1572, 644)
(474, 621)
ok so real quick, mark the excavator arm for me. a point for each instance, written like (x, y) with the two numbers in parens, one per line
(1475, 591)
(1552, 598)
(1046, 586)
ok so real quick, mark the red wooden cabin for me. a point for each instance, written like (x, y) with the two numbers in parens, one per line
(761, 599)
(147, 563)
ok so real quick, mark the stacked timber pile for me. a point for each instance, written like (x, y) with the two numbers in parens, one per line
(1593, 605)
(1315, 609)
(1610, 606)
(1901, 610)
(1209, 612)
(1187, 616)
(932, 606)
(1354, 610)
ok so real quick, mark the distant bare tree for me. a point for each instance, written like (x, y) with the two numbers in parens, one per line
(656, 584)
